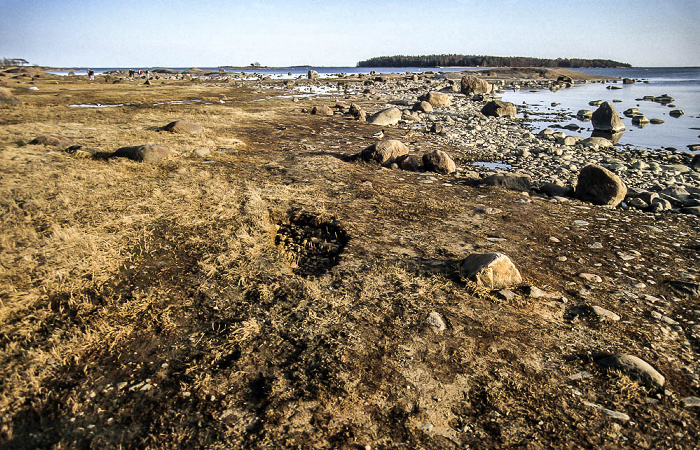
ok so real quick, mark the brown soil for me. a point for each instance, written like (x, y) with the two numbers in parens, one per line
(275, 295)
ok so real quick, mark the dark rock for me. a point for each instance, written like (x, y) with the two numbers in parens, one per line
(312, 75)
(598, 185)
(686, 288)
(511, 181)
(410, 162)
(497, 108)
(556, 190)
(695, 163)
(605, 118)
(676, 113)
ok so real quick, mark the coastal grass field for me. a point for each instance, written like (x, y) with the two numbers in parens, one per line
(272, 294)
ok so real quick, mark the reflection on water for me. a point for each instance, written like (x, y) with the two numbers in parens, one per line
(609, 135)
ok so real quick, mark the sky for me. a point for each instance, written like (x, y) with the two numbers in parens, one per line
(211, 33)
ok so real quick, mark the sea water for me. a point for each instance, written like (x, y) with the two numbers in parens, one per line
(681, 83)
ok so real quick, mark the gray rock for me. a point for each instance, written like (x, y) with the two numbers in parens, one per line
(691, 402)
(605, 118)
(438, 99)
(633, 367)
(183, 126)
(472, 85)
(435, 319)
(322, 110)
(143, 153)
(604, 314)
(491, 270)
(423, 107)
(439, 161)
(598, 185)
(384, 152)
(385, 117)
(312, 75)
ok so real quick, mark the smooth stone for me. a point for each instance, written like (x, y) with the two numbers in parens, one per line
(491, 270)
(634, 367)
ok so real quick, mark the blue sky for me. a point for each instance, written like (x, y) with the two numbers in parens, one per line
(185, 33)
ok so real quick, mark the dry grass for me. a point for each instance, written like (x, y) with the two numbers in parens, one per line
(148, 306)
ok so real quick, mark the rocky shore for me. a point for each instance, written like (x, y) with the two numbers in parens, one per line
(389, 261)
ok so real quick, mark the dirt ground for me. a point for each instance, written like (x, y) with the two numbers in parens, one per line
(273, 294)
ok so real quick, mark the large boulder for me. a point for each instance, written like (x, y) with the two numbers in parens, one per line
(143, 153)
(439, 161)
(512, 181)
(6, 98)
(312, 75)
(53, 140)
(598, 185)
(634, 367)
(183, 126)
(473, 85)
(490, 270)
(695, 163)
(436, 98)
(410, 162)
(385, 117)
(605, 118)
(384, 152)
(322, 110)
(497, 108)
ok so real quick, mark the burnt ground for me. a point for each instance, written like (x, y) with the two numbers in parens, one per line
(275, 295)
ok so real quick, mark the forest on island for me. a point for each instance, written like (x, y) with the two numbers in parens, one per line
(485, 61)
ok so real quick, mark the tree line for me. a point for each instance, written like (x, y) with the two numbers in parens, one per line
(11, 62)
(485, 61)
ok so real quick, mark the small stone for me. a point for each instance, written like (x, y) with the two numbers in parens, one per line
(507, 294)
(435, 320)
(604, 314)
(590, 277)
(691, 402)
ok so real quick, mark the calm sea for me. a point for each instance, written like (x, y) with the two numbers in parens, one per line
(681, 83)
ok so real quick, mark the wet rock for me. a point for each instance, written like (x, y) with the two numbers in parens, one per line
(513, 181)
(385, 117)
(384, 152)
(470, 85)
(634, 367)
(640, 120)
(598, 185)
(656, 121)
(322, 110)
(53, 140)
(695, 163)
(143, 153)
(676, 113)
(438, 99)
(605, 118)
(497, 108)
(182, 126)
(439, 161)
(6, 98)
(584, 114)
(491, 270)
